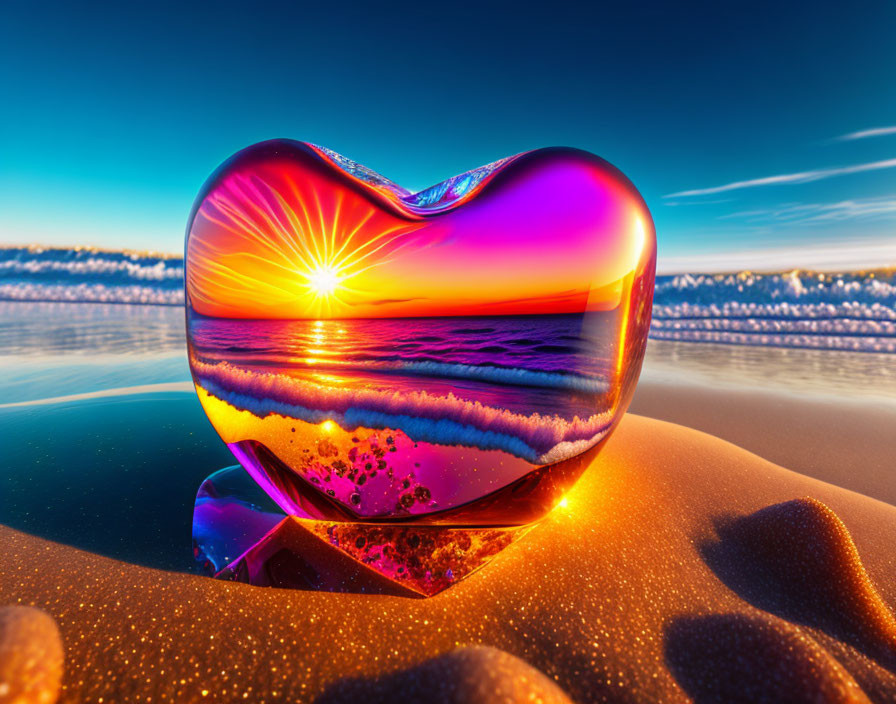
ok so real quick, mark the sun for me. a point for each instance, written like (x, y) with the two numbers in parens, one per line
(323, 281)
(291, 251)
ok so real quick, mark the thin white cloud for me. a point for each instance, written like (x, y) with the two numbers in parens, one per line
(801, 177)
(864, 134)
(698, 202)
(796, 213)
(851, 257)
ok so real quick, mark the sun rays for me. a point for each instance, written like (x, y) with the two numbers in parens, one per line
(285, 232)
(271, 241)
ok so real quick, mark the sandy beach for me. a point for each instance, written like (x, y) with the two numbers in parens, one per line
(682, 567)
(843, 439)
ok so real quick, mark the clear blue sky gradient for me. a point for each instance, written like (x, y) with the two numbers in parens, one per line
(112, 117)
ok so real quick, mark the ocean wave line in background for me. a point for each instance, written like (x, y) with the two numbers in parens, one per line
(853, 311)
(85, 275)
(90, 293)
(838, 311)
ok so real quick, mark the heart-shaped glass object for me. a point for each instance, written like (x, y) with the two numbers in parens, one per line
(454, 356)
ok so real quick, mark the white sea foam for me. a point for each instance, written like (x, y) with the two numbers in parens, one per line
(849, 311)
(95, 266)
(89, 275)
(91, 293)
(443, 419)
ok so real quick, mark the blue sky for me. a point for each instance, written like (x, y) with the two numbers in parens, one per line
(112, 117)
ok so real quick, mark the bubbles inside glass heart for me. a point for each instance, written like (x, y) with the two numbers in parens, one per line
(453, 356)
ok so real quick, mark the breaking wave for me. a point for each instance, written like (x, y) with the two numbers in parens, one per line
(426, 417)
(841, 311)
(853, 311)
(85, 275)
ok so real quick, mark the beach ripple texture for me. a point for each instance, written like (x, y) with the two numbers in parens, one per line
(452, 357)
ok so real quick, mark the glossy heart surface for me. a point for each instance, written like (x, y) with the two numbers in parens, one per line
(452, 356)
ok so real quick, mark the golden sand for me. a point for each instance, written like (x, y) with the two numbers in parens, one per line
(680, 567)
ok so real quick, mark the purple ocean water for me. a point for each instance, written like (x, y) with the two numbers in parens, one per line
(545, 364)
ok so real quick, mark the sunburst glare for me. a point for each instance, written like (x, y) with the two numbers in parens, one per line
(323, 281)
(295, 250)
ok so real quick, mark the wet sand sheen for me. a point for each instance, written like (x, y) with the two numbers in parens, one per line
(667, 547)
